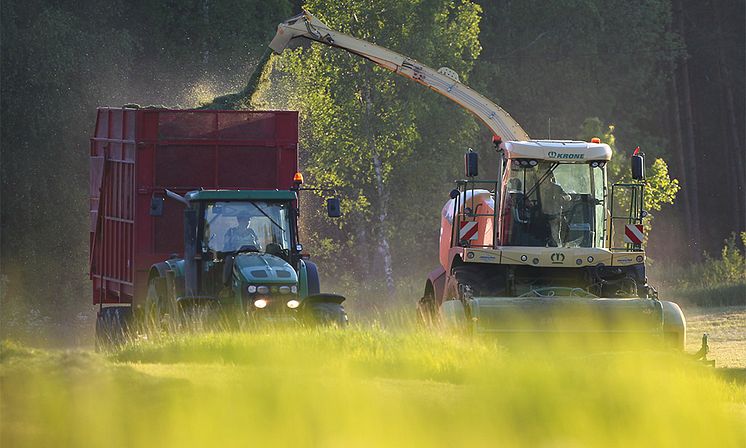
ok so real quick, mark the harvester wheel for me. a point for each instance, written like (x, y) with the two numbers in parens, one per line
(479, 279)
(472, 280)
(112, 326)
(325, 313)
(427, 309)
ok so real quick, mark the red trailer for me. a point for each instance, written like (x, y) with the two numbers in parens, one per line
(136, 154)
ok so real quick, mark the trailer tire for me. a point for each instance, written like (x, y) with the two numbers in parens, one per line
(112, 326)
(328, 314)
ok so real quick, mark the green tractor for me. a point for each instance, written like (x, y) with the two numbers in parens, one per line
(242, 259)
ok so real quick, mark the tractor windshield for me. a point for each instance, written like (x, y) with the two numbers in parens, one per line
(228, 226)
(553, 204)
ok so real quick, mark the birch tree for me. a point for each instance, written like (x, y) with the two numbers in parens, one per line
(361, 124)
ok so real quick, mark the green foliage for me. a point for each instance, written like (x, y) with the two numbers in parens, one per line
(364, 387)
(566, 60)
(62, 59)
(386, 144)
(572, 59)
(730, 267)
(660, 189)
(713, 282)
(59, 61)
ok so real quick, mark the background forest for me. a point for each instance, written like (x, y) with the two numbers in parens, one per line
(665, 75)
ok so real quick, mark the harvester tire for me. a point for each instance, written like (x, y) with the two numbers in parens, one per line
(474, 276)
(112, 326)
(427, 309)
(325, 313)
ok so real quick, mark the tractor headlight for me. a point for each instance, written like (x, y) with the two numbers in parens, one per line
(261, 303)
(294, 289)
(251, 289)
(262, 289)
(284, 290)
(293, 304)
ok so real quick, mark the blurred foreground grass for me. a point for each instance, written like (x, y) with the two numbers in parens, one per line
(362, 387)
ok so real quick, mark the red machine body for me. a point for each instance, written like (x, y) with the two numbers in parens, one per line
(136, 154)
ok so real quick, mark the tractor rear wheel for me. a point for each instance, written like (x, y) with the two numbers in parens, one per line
(326, 313)
(160, 311)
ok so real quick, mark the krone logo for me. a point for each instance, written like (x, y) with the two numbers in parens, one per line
(556, 155)
(558, 258)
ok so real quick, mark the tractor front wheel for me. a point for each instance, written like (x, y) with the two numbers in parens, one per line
(325, 313)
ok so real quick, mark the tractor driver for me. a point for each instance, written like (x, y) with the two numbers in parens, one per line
(241, 235)
(553, 198)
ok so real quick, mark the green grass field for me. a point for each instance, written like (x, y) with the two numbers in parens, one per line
(365, 386)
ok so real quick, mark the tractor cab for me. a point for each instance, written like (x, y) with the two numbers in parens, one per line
(241, 251)
(258, 224)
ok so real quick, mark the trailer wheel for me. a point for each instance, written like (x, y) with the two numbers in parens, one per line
(325, 313)
(112, 326)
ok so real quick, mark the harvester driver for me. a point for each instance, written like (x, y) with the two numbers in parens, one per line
(553, 197)
(241, 235)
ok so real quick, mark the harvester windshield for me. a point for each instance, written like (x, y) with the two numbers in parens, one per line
(230, 225)
(553, 204)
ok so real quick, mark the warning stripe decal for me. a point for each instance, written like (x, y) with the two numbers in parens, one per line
(468, 231)
(633, 234)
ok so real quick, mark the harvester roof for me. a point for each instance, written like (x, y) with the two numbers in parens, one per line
(557, 150)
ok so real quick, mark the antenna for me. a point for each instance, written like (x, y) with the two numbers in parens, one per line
(549, 129)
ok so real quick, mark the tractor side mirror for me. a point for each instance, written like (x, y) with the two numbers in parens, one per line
(333, 208)
(471, 163)
(638, 167)
(156, 205)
